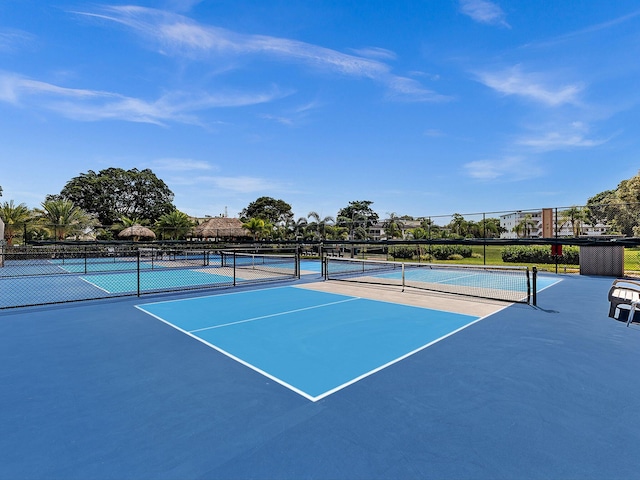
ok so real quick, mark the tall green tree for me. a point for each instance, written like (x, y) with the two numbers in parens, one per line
(319, 225)
(573, 216)
(174, 225)
(458, 225)
(490, 228)
(357, 218)
(300, 228)
(62, 218)
(114, 193)
(525, 226)
(14, 217)
(258, 227)
(393, 226)
(268, 209)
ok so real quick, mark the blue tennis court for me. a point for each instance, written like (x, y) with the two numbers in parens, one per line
(123, 282)
(82, 267)
(219, 388)
(314, 343)
(470, 279)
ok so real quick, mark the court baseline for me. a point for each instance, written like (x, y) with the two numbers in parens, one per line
(314, 343)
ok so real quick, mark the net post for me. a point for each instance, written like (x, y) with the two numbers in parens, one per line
(534, 276)
(234, 268)
(297, 262)
(403, 276)
(85, 260)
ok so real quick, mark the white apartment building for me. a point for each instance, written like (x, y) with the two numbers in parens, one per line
(542, 224)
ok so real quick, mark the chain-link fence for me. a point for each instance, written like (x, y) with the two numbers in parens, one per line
(565, 256)
(46, 274)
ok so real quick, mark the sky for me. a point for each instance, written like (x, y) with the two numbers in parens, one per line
(424, 108)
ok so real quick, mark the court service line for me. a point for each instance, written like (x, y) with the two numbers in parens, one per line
(275, 315)
(230, 355)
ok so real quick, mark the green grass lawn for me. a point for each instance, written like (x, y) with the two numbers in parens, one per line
(632, 259)
(492, 255)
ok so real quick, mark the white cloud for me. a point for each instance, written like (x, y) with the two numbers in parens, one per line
(181, 36)
(375, 52)
(561, 137)
(278, 119)
(534, 86)
(182, 5)
(13, 40)
(94, 105)
(182, 164)
(508, 168)
(560, 140)
(483, 11)
(402, 88)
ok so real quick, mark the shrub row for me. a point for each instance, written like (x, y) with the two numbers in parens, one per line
(539, 254)
(438, 252)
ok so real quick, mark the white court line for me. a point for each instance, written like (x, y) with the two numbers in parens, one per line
(94, 285)
(273, 315)
(292, 387)
(231, 356)
(396, 360)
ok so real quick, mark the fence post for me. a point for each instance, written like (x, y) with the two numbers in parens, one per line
(534, 276)
(484, 241)
(556, 235)
(138, 271)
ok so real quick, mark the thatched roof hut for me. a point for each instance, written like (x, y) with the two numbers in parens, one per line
(137, 232)
(221, 227)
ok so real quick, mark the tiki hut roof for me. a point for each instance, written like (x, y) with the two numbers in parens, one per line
(136, 232)
(217, 227)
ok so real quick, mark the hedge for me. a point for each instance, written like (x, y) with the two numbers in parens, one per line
(540, 254)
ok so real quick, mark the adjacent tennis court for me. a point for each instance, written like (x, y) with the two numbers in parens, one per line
(37, 281)
(314, 343)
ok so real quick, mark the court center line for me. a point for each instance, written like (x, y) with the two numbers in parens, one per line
(274, 315)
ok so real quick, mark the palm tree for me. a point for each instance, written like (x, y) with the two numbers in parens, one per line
(258, 227)
(524, 226)
(15, 217)
(174, 224)
(63, 218)
(574, 217)
(458, 225)
(299, 228)
(319, 225)
(393, 226)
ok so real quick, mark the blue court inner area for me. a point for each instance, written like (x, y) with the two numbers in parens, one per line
(314, 343)
(124, 282)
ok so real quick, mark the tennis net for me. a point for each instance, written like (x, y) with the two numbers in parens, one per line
(265, 263)
(512, 284)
